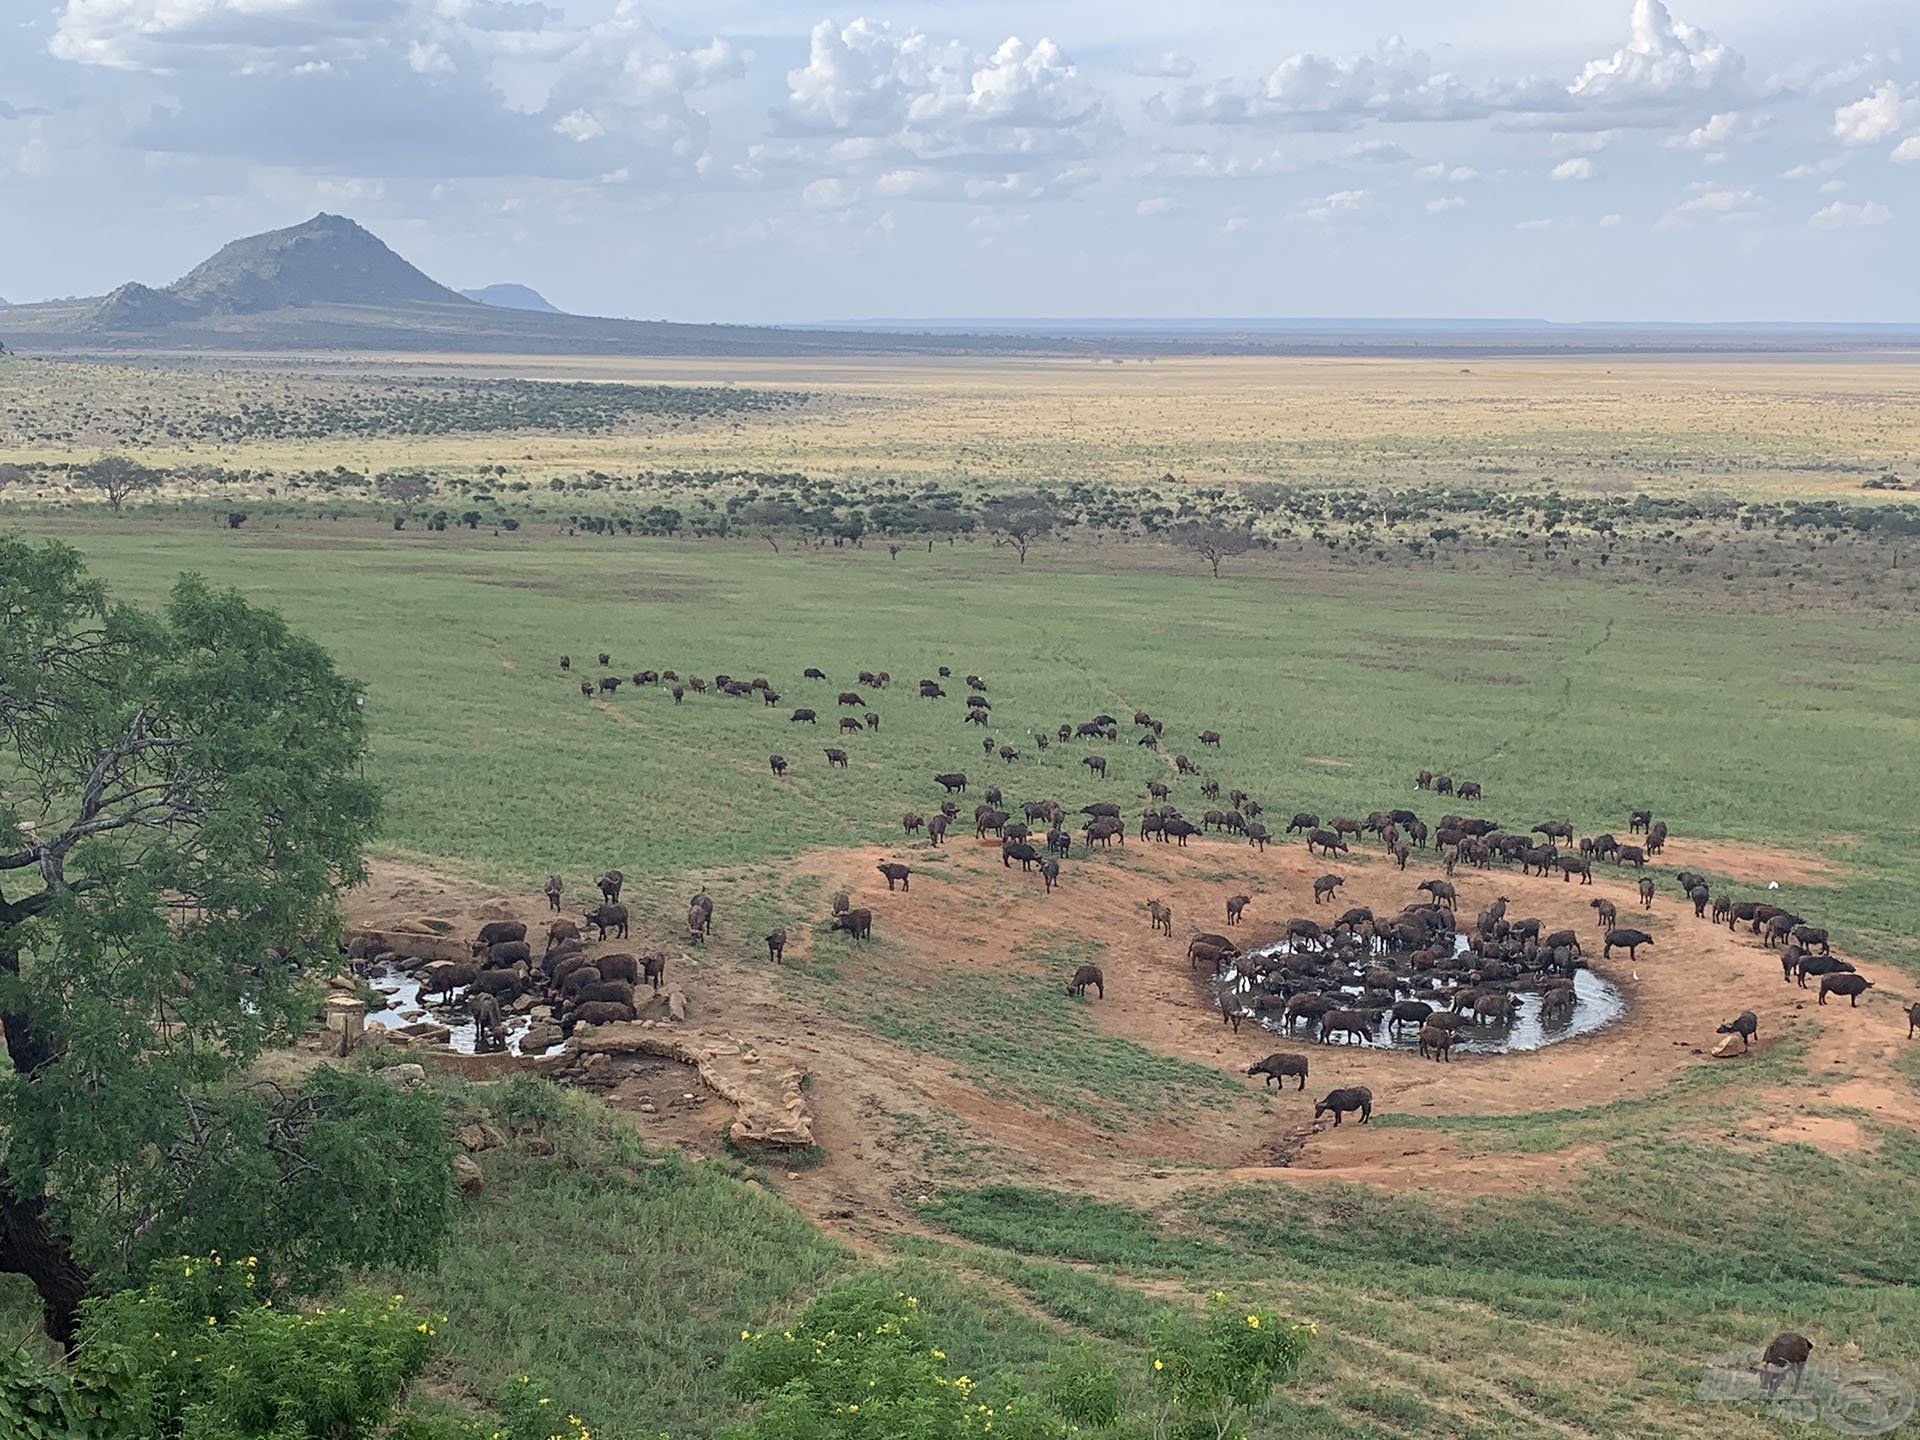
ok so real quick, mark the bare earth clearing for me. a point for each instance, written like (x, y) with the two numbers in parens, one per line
(967, 914)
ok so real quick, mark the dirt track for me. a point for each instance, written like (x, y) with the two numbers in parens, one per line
(966, 911)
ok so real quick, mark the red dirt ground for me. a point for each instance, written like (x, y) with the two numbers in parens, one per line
(967, 911)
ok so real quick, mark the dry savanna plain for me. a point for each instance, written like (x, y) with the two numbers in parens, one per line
(1587, 586)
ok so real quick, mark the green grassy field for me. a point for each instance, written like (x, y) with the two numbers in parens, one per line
(623, 1274)
(1566, 699)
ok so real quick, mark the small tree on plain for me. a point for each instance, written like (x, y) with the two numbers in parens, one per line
(1214, 542)
(117, 477)
(767, 518)
(1019, 520)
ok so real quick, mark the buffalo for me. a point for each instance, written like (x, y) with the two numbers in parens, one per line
(1745, 1025)
(1850, 985)
(1278, 1066)
(1344, 1101)
(777, 939)
(608, 917)
(894, 872)
(836, 757)
(858, 924)
(1083, 977)
(1628, 940)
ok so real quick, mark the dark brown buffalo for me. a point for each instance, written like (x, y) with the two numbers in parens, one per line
(1786, 1354)
(937, 828)
(1279, 1065)
(1050, 873)
(858, 924)
(608, 917)
(849, 697)
(553, 889)
(1628, 940)
(1745, 1025)
(1343, 1101)
(1324, 887)
(836, 757)
(777, 941)
(1437, 1041)
(1083, 977)
(895, 872)
(953, 780)
(1851, 986)
(610, 884)
(507, 953)
(1351, 1025)
(1327, 841)
(1236, 907)
(777, 764)
(496, 931)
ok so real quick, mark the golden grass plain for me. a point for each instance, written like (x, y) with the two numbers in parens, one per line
(1770, 426)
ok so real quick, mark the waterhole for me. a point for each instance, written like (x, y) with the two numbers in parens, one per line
(1597, 1004)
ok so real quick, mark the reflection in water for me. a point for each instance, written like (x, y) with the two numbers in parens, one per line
(403, 1006)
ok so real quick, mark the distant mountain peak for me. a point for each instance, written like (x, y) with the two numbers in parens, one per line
(326, 260)
(513, 297)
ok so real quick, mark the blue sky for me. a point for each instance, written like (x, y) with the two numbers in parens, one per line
(763, 160)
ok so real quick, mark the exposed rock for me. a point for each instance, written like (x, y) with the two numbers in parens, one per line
(407, 1077)
(412, 942)
(467, 1175)
(772, 1110)
(479, 1136)
(540, 1037)
(677, 1006)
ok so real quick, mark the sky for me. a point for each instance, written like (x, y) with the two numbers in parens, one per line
(777, 160)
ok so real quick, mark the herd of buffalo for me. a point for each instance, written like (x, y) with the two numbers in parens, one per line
(1422, 971)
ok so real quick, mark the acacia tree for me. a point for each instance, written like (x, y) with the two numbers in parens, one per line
(1019, 520)
(767, 518)
(180, 803)
(1214, 542)
(116, 477)
(406, 491)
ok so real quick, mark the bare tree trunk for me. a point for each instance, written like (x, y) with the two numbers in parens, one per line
(29, 1245)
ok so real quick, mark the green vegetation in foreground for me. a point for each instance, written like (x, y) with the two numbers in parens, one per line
(1573, 699)
(1510, 1313)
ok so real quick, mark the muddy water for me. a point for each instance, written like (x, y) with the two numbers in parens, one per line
(402, 1006)
(1597, 1004)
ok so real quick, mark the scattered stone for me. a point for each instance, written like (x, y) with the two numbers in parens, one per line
(467, 1175)
(406, 1077)
(539, 1145)
(540, 1037)
(474, 1137)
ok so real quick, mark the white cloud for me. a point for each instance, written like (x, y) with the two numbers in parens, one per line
(1234, 224)
(1842, 216)
(1663, 61)
(868, 79)
(1712, 202)
(1878, 116)
(1578, 168)
(421, 88)
(1534, 225)
(425, 57)
(829, 192)
(579, 126)
(1721, 132)
(1331, 207)
(1453, 174)
(1446, 203)
(1907, 152)
(1156, 205)
(1612, 221)
(1170, 66)
(1813, 169)
(1376, 152)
